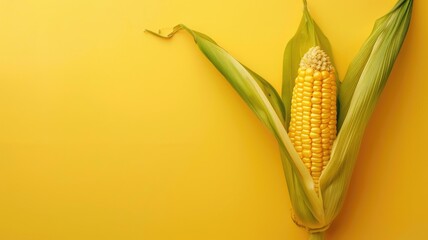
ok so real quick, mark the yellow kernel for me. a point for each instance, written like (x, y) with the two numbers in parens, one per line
(319, 155)
(316, 100)
(305, 131)
(326, 94)
(309, 79)
(325, 115)
(316, 110)
(324, 90)
(307, 89)
(316, 130)
(306, 98)
(315, 169)
(326, 85)
(326, 101)
(316, 164)
(325, 105)
(327, 80)
(314, 135)
(306, 153)
(315, 116)
(325, 74)
(317, 94)
(316, 159)
(317, 75)
(325, 130)
(308, 84)
(316, 145)
(317, 88)
(316, 150)
(325, 135)
(316, 120)
(306, 108)
(306, 146)
(306, 103)
(309, 71)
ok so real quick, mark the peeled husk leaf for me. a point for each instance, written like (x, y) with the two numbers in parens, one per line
(263, 99)
(362, 86)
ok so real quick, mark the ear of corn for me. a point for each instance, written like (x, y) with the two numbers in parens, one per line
(316, 193)
(308, 35)
(313, 112)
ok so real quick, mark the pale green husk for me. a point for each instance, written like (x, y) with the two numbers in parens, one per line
(358, 95)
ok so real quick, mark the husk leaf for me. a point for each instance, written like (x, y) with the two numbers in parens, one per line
(362, 86)
(265, 102)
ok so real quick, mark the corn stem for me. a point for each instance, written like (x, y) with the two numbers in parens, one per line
(317, 236)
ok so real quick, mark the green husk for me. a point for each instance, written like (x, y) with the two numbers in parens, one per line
(358, 95)
(366, 82)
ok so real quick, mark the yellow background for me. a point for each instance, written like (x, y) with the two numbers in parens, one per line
(109, 133)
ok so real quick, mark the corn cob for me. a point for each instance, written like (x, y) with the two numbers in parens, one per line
(313, 112)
